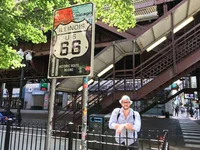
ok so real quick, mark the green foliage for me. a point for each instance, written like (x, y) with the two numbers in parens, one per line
(8, 57)
(118, 13)
(30, 19)
(27, 21)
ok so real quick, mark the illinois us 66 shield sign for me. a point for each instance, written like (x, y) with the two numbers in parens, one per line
(72, 42)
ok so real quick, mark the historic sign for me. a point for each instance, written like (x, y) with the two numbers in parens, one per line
(72, 42)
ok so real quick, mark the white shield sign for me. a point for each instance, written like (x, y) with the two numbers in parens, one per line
(71, 44)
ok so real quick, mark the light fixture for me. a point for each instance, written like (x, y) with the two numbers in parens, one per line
(89, 82)
(105, 70)
(20, 52)
(183, 24)
(29, 56)
(156, 43)
(80, 88)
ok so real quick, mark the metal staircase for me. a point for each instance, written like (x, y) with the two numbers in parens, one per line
(153, 75)
(170, 63)
(158, 71)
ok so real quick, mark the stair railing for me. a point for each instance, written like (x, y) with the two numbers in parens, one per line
(162, 60)
(105, 88)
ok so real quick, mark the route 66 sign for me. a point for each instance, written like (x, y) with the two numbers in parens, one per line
(70, 45)
(72, 42)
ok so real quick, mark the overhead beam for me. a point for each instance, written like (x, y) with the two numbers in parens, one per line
(114, 30)
(150, 3)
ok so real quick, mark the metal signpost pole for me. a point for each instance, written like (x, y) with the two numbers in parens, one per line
(84, 114)
(72, 53)
(50, 117)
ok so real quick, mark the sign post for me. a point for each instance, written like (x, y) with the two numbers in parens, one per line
(50, 115)
(84, 115)
(72, 52)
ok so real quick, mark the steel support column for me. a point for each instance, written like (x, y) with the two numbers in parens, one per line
(133, 57)
(198, 87)
(113, 71)
(124, 77)
(141, 74)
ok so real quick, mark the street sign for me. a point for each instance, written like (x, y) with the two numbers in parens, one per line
(72, 42)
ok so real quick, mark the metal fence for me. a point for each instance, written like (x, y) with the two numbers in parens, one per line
(32, 136)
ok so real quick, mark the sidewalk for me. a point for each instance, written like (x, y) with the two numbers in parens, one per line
(28, 111)
(34, 115)
(184, 131)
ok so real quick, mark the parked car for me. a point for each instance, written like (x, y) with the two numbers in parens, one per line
(5, 115)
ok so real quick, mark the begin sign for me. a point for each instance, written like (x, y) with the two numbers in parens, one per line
(72, 42)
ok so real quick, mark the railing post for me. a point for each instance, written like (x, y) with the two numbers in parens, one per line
(7, 138)
(149, 137)
(166, 139)
(70, 140)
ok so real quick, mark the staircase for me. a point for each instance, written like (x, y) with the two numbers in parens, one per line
(156, 73)
(159, 71)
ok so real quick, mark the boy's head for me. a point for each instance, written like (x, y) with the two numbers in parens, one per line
(125, 102)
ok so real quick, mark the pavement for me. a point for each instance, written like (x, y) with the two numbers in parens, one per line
(184, 131)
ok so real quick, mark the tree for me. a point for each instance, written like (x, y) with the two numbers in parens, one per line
(28, 20)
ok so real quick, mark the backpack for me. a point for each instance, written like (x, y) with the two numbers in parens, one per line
(119, 115)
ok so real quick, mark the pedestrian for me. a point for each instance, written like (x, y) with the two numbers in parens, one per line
(176, 110)
(182, 109)
(191, 112)
(196, 112)
(127, 123)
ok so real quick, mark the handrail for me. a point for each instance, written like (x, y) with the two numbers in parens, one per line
(105, 92)
(67, 106)
(148, 61)
(164, 58)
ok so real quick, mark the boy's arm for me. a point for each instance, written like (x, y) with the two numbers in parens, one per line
(113, 119)
(137, 123)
